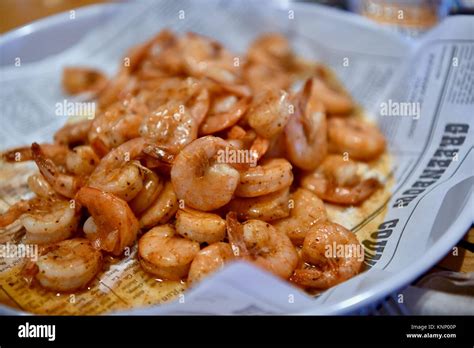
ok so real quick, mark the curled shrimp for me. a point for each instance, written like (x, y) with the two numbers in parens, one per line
(271, 176)
(82, 160)
(162, 209)
(337, 181)
(116, 225)
(269, 207)
(325, 265)
(272, 50)
(199, 179)
(118, 173)
(209, 260)
(79, 80)
(64, 184)
(306, 131)
(306, 210)
(335, 102)
(200, 226)
(361, 140)
(225, 112)
(50, 222)
(259, 242)
(164, 254)
(73, 133)
(269, 113)
(68, 265)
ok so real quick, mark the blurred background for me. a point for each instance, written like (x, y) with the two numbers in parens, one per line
(409, 17)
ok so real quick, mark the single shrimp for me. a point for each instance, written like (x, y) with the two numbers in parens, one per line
(209, 260)
(118, 173)
(50, 222)
(225, 112)
(116, 225)
(306, 210)
(119, 123)
(18, 209)
(152, 187)
(57, 153)
(68, 265)
(335, 102)
(259, 242)
(306, 131)
(269, 207)
(73, 133)
(325, 266)
(361, 140)
(81, 160)
(166, 255)
(170, 125)
(269, 113)
(271, 176)
(200, 226)
(336, 181)
(162, 209)
(200, 179)
(64, 184)
(79, 80)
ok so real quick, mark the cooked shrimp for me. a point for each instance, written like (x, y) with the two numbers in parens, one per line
(306, 131)
(68, 265)
(18, 209)
(118, 124)
(64, 184)
(82, 160)
(200, 226)
(269, 207)
(162, 210)
(326, 266)
(209, 260)
(361, 140)
(57, 153)
(269, 113)
(117, 227)
(335, 102)
(80, 80)
(307, 210)
(171, 126)
(118, 173)
(271, 176)
(38, 184)
(152, 187)
(199, 179)
(53, 221)
(260, 243)
(225, 112)
(271, 49)
(73, 133)
(166, 255)
(337, 181)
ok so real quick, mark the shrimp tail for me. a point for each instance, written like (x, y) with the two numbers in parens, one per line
(235, 232)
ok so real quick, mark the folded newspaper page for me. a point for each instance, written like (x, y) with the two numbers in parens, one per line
(421, 94)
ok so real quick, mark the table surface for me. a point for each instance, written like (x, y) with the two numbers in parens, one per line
(15, 13)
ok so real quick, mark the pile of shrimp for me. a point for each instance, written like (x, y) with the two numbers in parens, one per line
(148, 169)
